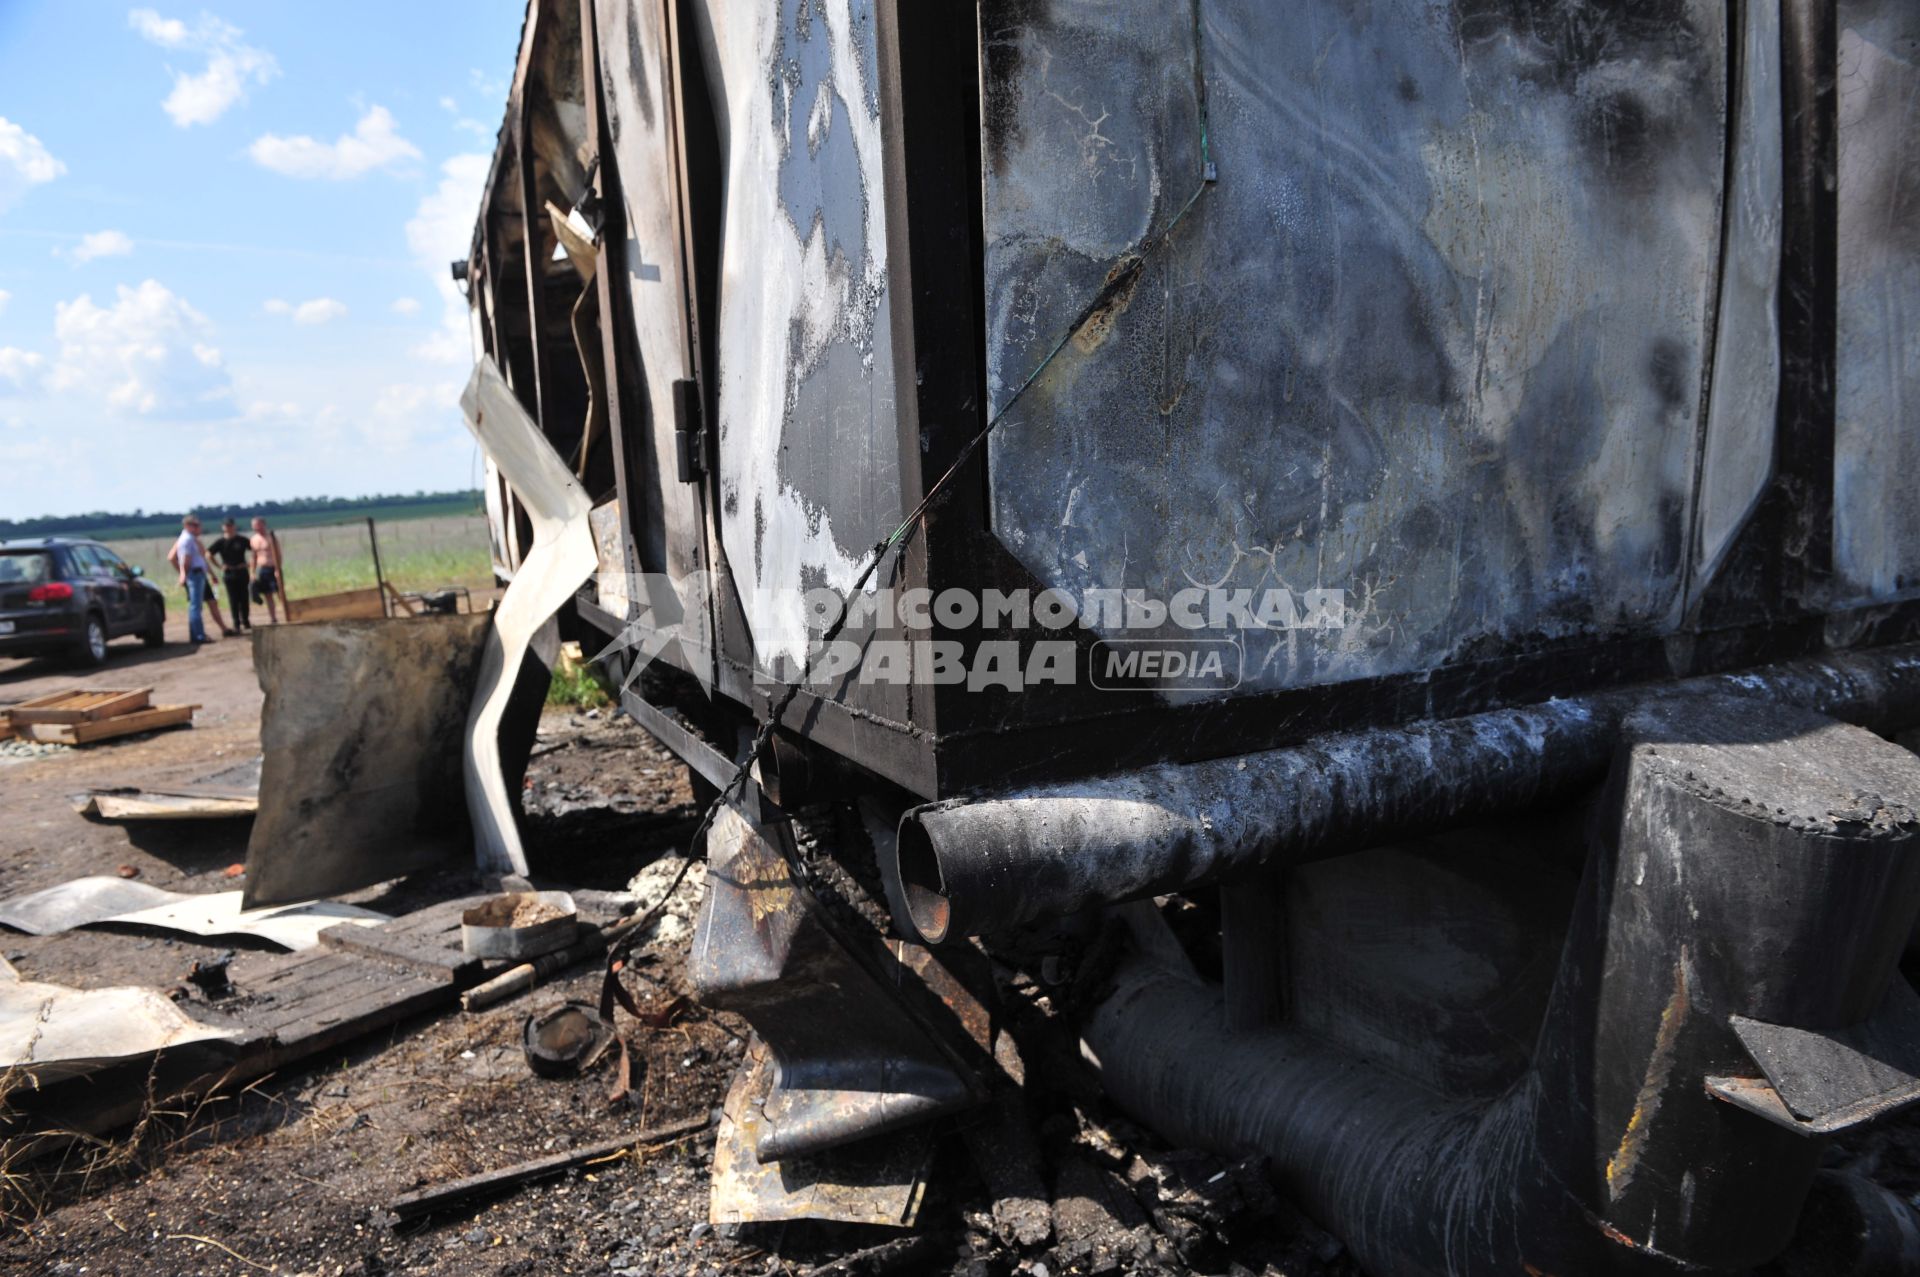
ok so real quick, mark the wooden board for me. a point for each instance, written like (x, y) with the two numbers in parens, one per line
(145, 720)
(298, 1005)
(150, 806)
(81, 705)
(458, 1192)
(347, 605)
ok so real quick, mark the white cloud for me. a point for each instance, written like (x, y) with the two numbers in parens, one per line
(375, 143)
(439, 234)
(149, 353)
(24, 163)
(20, 370)
(319, 310)
(203, 96)
(6, 297)
(410, 414)
(401, 305)
(168, 33)
(99, 244)
(450, 106)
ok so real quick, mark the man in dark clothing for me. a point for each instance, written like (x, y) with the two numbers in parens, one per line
(230, 552)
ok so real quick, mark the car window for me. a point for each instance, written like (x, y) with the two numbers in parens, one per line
(23, 567)
(111, 561)
(85, 561)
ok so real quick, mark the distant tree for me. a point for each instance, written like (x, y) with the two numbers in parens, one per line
(57, 524)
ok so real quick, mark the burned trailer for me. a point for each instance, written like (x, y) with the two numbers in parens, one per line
(1380, 535)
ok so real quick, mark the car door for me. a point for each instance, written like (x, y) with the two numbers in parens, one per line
(129, 598)
(104, 588)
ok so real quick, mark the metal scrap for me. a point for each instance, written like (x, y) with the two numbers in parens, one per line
(562, 557)
(104, 900)
(361, 771)
(53, 1032)
(877, 1181)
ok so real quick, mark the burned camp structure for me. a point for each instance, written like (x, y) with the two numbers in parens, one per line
(1543, 859)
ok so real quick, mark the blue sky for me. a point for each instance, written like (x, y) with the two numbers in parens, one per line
(224, 237)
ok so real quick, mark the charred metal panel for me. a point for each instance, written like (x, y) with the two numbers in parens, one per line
(808, 451)
(1436, 336)
(1877, 409)
(1745, 398)
(633, 59)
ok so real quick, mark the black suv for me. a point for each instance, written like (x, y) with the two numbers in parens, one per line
(62, 596)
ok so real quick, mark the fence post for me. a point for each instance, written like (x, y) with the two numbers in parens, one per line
(379, 580)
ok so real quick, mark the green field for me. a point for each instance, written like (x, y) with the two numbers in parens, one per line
(415, 554)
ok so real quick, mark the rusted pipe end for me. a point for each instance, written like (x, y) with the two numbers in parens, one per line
(923, 889)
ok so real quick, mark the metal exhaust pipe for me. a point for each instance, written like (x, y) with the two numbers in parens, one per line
(1752, 876)
(966, 866)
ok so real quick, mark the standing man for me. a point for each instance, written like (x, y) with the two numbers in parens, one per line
(267, 573)
(191, 560)
(230, 552)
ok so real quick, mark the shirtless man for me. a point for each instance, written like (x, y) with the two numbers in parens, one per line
(267, 564)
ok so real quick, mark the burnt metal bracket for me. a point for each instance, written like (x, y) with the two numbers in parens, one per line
(1821, 1083)
(851, 1061)
(694, 750)
(689, 432)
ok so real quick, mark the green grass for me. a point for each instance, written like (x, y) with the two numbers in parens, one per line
(582, 687)
(415, 554)
(416, 570)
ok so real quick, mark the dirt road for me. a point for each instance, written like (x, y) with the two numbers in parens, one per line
(42, 841)
(290, 1176)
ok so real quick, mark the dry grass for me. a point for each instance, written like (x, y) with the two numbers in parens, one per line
(41, 1167)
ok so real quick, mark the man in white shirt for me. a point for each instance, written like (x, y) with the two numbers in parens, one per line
(187, 556)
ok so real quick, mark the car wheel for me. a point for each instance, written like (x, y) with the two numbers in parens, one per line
(155, 635)
(92, 647)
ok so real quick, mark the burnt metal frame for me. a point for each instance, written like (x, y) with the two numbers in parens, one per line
(1785, 550)
(1766, 605)
(968, 740)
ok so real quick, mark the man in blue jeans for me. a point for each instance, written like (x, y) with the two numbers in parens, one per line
(192, 562)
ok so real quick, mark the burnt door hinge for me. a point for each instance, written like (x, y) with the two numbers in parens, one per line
(689, 432)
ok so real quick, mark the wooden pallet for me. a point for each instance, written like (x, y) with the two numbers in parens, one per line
(298, 1005)
(80, 705)
(86, 733)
